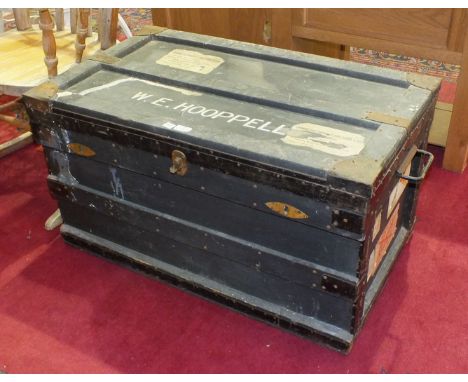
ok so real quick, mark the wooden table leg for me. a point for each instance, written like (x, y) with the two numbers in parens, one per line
(456, 150)
(82, 32)
(48, 41)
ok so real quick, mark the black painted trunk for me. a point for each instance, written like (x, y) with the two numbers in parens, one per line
(264, 179)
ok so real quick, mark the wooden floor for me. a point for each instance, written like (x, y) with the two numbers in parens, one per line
(22, 58)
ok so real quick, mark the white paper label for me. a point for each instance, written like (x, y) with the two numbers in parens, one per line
(397, 192)
(190, 60)
(383, 244)
(326, 139)
(377, 224)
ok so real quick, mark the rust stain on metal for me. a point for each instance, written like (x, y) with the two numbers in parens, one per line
(287, 210)
(388, 119)
(81, 150)
(423, 81)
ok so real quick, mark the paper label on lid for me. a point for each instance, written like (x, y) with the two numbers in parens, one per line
(190, 60)
(326, 139)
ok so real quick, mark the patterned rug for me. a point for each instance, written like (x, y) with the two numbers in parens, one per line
(449, 72)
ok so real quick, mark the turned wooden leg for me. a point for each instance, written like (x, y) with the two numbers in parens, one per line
(22, 18)
(80, 43)
(59, 19)
(90, 27)
(73, 19)
(108, 19)
(48, 41)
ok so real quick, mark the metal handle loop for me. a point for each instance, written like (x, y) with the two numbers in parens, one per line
(424, 169)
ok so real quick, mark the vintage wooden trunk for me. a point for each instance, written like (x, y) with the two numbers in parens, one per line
(279, 183)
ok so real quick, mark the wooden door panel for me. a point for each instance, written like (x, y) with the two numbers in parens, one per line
(428, 27)
(238, 24)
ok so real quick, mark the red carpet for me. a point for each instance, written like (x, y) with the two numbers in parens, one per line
(7, 131)
(63, 310)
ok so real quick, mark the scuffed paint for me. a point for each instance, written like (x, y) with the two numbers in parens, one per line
(63, 164)
(116, 184)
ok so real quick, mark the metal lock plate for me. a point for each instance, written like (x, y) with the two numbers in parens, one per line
(179, 163)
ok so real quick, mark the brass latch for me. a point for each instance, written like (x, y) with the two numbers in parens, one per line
(179, 163)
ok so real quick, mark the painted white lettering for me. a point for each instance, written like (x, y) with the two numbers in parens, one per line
(141, 96)
(161, 101)
(209, 113)
(197, 110)
(253, 122)
(278, 130)
(184, 106)
(223, 114)
(239, 118)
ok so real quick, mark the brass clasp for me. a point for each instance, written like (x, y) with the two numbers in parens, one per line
(179, 163)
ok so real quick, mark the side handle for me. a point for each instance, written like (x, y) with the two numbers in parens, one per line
(416, 178)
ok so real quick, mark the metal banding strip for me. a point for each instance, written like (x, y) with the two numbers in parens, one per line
(388, 119)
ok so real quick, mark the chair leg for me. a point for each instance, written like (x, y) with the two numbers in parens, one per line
(22, 18)
(59, 19)
(80, 43)
(108, 26)
(48, 41)
(73, 20)
(15, 144)
(90, 26)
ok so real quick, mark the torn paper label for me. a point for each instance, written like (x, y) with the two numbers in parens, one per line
(326, 139)
(377, 224)
(397, 191)
(383, 245)
(190, 60)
